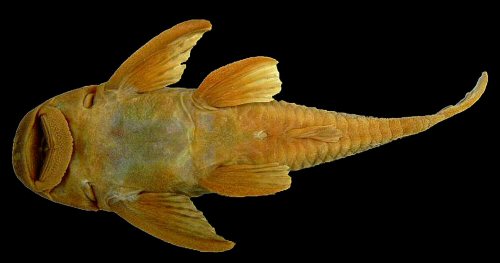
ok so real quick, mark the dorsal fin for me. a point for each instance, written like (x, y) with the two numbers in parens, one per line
(249, 80)
(158, 63)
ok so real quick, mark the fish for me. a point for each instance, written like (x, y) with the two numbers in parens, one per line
(137, 147)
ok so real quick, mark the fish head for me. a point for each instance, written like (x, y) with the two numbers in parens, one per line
(44, 147)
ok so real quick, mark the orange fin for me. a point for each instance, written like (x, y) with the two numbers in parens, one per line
(248, 180)
(158, 63)
(170, 217)
(249, 80)
(327, 133)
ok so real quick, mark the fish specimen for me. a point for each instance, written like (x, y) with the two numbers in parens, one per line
(137, 147)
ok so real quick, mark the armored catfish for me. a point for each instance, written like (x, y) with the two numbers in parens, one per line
(139, 148)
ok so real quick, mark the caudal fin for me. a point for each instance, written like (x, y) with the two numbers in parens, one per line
(412, 125)
(469, 100)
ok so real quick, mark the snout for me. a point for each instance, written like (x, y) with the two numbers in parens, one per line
(42, 148)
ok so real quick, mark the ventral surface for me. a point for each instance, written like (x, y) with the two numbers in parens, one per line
(142, 148)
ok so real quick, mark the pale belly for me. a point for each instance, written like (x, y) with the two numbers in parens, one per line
(148, 145)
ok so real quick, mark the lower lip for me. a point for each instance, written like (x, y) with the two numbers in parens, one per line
(27, 153)
(22, 152)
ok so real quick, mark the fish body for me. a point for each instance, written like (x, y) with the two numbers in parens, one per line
(140, 142)
(139, 148)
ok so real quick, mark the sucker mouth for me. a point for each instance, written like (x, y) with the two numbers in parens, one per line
(35, 154)
(42, 150)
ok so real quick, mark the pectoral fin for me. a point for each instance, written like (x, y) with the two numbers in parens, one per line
(158, 63)
(246, 81)
(170, 217)
(248, 180)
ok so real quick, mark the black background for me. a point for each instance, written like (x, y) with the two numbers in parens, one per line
(427, 196)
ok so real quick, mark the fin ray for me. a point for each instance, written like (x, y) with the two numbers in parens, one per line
(248, 180)
(159, 62)
(170, 217)
(249, 80)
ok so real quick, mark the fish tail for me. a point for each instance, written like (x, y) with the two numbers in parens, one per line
(469, 100)
(337, 135)
(417, 124)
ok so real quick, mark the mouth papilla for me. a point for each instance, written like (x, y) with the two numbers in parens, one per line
(51, 149)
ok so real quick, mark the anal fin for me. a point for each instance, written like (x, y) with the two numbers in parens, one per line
(327, 133)
(248, 180)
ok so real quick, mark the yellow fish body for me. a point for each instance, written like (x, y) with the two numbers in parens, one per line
(136, 148)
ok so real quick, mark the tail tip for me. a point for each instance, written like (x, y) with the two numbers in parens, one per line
(470, 98)
(478, 89)
(483, 78)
